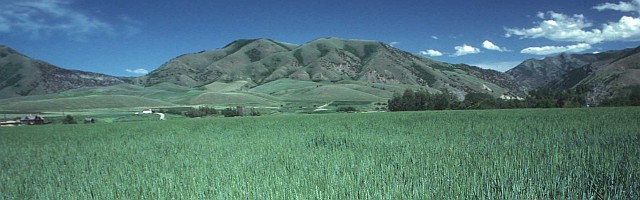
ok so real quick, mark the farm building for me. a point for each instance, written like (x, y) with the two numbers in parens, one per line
(10, 123)
(89, 120)
(33, 120)
(147, 111)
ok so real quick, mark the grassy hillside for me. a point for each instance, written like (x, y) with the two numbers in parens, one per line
(490, 154)
(318, 92)
(84, 102)
(118, 96)
(281, 86)
(329, 93)
(21, 75)
(226, 87)
(330, 60)
(233, 99)
(610, 71)
(291, 92)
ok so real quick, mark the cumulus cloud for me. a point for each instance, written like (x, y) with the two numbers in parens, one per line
(38, 18)
(431, 52)
(547, 50)
(138, 71)
(465, 50)
(576, 28)
(559, 27)
(627, 29)
(489, 45)
(633, 6)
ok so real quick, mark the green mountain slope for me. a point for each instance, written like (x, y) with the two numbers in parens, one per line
(83, 102)
(22, 76)
(610, 71)
(326, 60)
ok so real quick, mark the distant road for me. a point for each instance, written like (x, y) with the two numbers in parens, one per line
(161, 115)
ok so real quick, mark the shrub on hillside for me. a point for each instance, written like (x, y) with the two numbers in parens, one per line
(231, 112)
(346, 109)
(475, 100)
(69, 120)
(201, 111)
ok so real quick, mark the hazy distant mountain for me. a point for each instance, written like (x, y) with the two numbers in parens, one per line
(534, 73)
(612, 70)
(21, 76)
(335, 60)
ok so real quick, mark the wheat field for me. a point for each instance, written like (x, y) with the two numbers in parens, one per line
(490, 154)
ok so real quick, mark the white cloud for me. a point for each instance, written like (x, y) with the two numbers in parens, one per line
(435, 37)
(432, 53)
(489, 45)
(559, 27)
(39, 18)
(393, 43)
(576, 28)
(633, 6)
(627, 29)
(465, 50)
(547, 50)
(137, 71)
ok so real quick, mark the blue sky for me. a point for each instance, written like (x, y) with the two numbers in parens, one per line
(132, 37)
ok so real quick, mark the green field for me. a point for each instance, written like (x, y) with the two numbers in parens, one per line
(488, 154)
(287, 93)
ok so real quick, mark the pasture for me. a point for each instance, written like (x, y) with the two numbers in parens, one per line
(287, 93)
(487, 154)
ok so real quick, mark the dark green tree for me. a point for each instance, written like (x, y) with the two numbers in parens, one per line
(443, 100)
(475, 100)
(395, 102)
(232, 112)
(422, 98)
(542, 98)
(408, 100)
(634, 96)
(346, 109)
(69, 120)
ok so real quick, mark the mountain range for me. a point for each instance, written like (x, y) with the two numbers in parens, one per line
(321, 70)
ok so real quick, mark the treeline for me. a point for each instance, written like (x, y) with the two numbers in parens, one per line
(204, 111)
(539, 98)
(582, 96)
(422, 100)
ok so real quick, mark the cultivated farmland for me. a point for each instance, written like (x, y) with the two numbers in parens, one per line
(488, 154)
